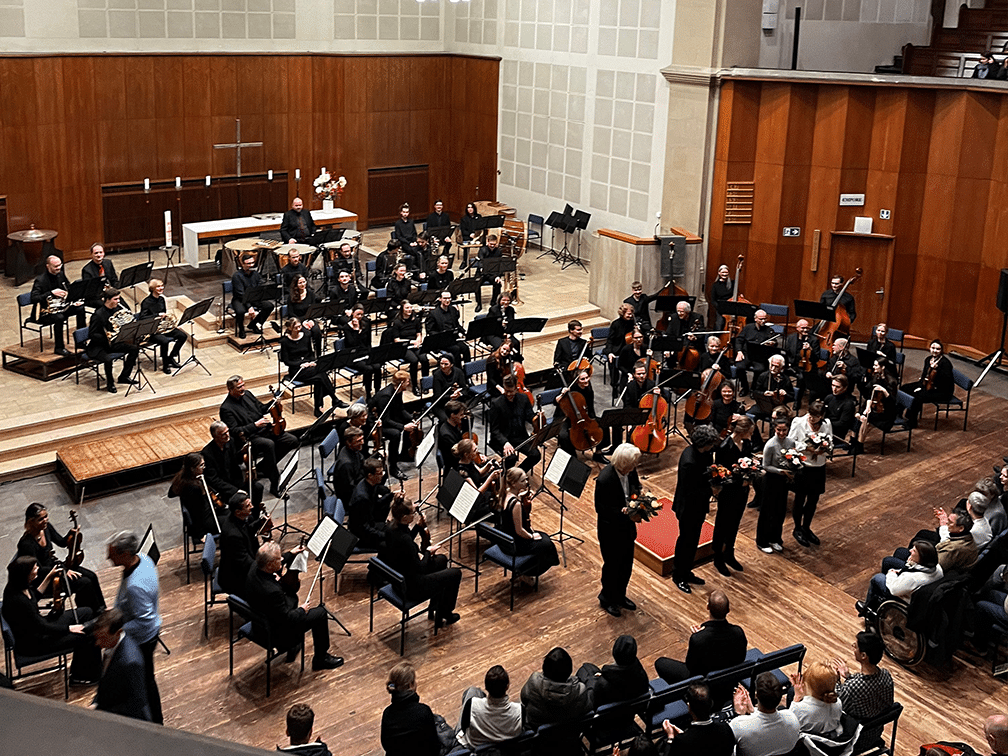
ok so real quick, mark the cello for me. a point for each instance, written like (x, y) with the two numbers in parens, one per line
(585, 432)
(734, 323)
(841, 326)
(518, 371)
(699, 403)
(652, 437)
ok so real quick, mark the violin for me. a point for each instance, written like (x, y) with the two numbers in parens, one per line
(75, 555)
(700, 402)
(735, 323)
(651, 438)
(840, 327)
(806, 361)
(877, 404)
(276, 412)
(929, 382)
(585, 432)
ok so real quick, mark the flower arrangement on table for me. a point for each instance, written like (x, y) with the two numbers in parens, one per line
(326, 187)
(792, 460)
(643, 506)
(821, 443)
(747, 469)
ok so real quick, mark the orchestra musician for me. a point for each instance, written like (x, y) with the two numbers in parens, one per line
(357, 340)
(841, 408)
(503, 315)
(99, 346)
(721, 291)
(757, 332)
(297, 224)
(222, 458)
(426, 577)
(499, 364)
(797, 343)
(773, 388)
(629, 355)
(726, 409)
(287, 621)
(38, 541)
(509, 415)
(385, 263)
(445, 318)
(346, 261)
(625, 325)
(406, 327)
(423, 251)
(188, 488)
(297, 353)
(936, 384)
(249, 419)
(489, 250)
(242, 282)
(239, 543)
(102, 269)
(52, 283)
(356, 417)
(638, 385)
(441, 276)
(879, 346)
(683, 325)
(847, 300)
(438, 220)
(396, 423)
(842, 362)
(569, 349)
(369, 506)
(293, 269)
(640, 302)
(345, 294)
(154, 306)
(484, 477)
(881, 408)
(398, 287)
(516, 521)
(583, 387)
(349, 468)
(710, 355)
(299, 299)
(450, 433)
(467, 224)
(449, 376)
(616, 483)
(404, 231)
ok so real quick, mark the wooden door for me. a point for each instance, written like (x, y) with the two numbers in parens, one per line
(873, 253)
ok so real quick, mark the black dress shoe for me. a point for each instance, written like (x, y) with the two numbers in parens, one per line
(695, 580)
(683, 586)
(166, 368)
(628, 604)
(812, 537)
(127, 381)
(64, 352)
(732, 562)
(292, 654)
(799, 536)
(328, 661)
(449, 619)
(862, 608)
(82, 681)
(255, 328)
(719, 565)
(240, 334)
(613, 610)
(479, 307)
(111, 388)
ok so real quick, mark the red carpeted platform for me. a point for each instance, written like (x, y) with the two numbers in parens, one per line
(656, 540)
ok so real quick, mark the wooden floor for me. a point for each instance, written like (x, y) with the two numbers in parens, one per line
(803, 595)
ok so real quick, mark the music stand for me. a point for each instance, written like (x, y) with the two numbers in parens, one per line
(668, 304)
(285, 485)
(134, 275)
(498, 267)
(479, 329)
(331, 544)
(84, 290)
(315, 431)
(527, 325)
(456, 496)
(553, 220)
(622, 417)
(581, 219)
(568, 226)
(737, 309)
(134, 334)
(809, 310)
(376, 306)
(386, 353)
(462, 286)
(569, 474)
(192, 312)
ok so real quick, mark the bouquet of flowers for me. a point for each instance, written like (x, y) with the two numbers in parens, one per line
(326, 186)
(643, 506)
(792, 459)
(747, 468)
(820, 442)
(718, 475)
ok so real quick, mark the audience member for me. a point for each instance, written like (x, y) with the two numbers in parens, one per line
(553, 694)
(921, 569)
(996, 732)
(865, 694)
(408, 727)
(815, 700)
(489, 716)
(703, 735)
(763, 730)
(622, 681)
(300, 721)
(714, 644)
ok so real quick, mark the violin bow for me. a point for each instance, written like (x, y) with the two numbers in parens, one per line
(213, 509)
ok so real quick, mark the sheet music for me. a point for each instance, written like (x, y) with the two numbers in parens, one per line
(424, 449)
(464, 502)
(557, 466)
(321, 535)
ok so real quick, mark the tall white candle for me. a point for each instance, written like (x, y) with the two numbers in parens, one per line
(146, 184)
(208, 181)
(297, 173)
(178, 182)
(269, 175)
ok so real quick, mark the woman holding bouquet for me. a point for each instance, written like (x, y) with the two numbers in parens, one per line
(813, 437)
(736, 449)
(779, 470)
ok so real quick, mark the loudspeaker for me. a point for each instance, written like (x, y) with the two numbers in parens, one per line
(673, 256)
(1002, 295)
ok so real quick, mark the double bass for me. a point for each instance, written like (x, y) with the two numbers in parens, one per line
(734, 323)
(671, 289)
(841, 326)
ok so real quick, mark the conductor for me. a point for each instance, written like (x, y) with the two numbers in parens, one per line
(615, 485)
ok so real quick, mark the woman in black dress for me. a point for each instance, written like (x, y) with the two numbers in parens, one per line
(406, 327)
(300, 298)
(499, 365)
(296, 353)
(517, 523)
(733, 495)
(188, 488)
(357, 339)
(484, 477)
(35, 635)
(881, 408)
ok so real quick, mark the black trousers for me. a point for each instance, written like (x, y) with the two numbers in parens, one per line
(153, 694)
(691, 520)
(263, 310)
(616, 542)
(439, 583)
(671, 670)
(773, 510)
(920, 398)
(86, 662)
(164, 340)
(808, 488)
(268, 450)
(731, 507)
(58, 322)
(317, 620)
(321, 385)
(130, 355)
(417, 360)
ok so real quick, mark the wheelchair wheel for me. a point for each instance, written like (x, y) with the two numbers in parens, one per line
(902, 644)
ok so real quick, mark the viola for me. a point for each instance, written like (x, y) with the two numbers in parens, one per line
(688, 358)
(877, 404)
(929, 382)
(75, 555)
(806, 361)
(585, 432)
(700, 402)
(652, 437)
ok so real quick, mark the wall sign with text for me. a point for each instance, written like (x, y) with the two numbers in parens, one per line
(851, 200)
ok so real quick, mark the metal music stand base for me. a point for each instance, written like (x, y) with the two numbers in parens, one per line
(561, 535)
(329, 612)
(141, 380)
(452, 522)
(674, 427)
(192, 354)
(287, 527)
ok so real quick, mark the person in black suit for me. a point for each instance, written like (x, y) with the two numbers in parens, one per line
(841, 409)
(503, 315)
(703, 735)
(507, 427)
(439, 220)
(349, 468)
(450, 433)
(489, 250)
(346, 261)
(713, 645)
(52, 282)
(444, 318)
(154, 306)
(691, 502)
(624, 680)
(249, 419)
(122, 688)
(829, 296)
(569, 349)
(368, 506)
(446, 377)
(428, 577)
(102, 269)
(293, 269)
(936, 383)
(239, 542)
(100, 338)
(614, 486)
(242, 282)
(287, 621)
(297, 224)
(223, 459)
(404, 231)
(640, 302)
(386, 406)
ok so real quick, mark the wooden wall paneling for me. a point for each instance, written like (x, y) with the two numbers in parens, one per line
(856, 153)
(300, 131)
(223, 86)
(49, 91)
(169, 87)
(959, 306)
(141, 134)
(140, 85)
